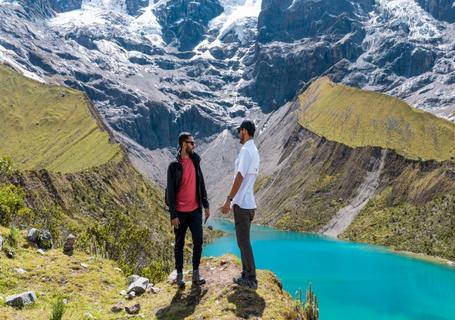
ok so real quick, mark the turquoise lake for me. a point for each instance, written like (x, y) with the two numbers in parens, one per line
(351, 280)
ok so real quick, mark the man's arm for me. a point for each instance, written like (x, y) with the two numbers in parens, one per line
(235, 188)
(171, 196)
(244, 162)
(205, 201)
(236, 185)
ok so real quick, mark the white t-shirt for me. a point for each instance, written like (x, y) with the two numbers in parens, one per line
(247, 163)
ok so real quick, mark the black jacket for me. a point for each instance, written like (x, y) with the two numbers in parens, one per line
(174, 177)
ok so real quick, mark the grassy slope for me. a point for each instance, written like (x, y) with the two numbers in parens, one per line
(96, 290)
(414, 209)
(427, 229)
(359, 118)
(49, 126)
(75, 180)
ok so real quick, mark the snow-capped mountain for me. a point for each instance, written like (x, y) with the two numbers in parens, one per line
(392, 46)
(156, 67)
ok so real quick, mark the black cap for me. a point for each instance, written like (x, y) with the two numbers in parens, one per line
(249, 126)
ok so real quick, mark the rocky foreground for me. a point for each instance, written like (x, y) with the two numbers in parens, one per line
(94, 288)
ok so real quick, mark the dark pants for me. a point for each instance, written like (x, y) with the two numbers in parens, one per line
(192, 220)
(242, 219)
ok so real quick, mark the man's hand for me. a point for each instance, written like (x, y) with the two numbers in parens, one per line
(175, 223)
(226, 207)
(207, 214)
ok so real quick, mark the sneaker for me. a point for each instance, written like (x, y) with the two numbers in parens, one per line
(197, 279)
(244, 282)
(180, 282)
(239, 280)
(252, 283)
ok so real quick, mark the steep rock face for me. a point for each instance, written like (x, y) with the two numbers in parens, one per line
(65, 5)
(390, 46)
(317, 35)
(293, 20)
(134, 7)
(440, 9)
(186, 21)
(141, 86)
(37, 9)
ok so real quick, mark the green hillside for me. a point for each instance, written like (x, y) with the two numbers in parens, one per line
(69, 178)
(50, 127)
(359, 118)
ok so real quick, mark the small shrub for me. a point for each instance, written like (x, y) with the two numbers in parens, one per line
(6, 166)
(155, 272)
(50, 219)
(309, 307)
(11, 201)
(13, 238)
(58, 309)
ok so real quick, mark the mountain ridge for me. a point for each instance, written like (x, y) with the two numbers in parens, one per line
(308, 181)
(145, 87)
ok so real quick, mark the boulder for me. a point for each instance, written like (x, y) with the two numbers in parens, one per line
(118, 307)
(172, 277)
(68, 247)
(20, 270)
(10, 253)
(21, 299)
(138, 286)
(32, 235)
(44, 239)
(132, 278)
(134, 309)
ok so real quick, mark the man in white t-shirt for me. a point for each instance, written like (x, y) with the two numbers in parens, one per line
(243, 202)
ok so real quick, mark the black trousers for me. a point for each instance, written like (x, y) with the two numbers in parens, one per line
(242, 219)
(192, 220)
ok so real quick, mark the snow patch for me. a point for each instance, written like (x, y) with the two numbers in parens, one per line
(6, 58)
(110, 5)
(112, 14)
(147, 24)
(235, 12)
(422, 26)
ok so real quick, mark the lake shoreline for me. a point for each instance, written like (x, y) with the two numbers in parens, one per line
(418, 256)
(342, 273)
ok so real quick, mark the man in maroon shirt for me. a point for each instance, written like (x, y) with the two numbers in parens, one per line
(185, 196)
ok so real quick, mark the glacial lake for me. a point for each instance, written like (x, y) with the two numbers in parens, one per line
(351, 280)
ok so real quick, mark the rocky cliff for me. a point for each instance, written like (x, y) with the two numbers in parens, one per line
(440, 9)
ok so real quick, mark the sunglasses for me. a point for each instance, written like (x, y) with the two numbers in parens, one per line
(190, 142)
